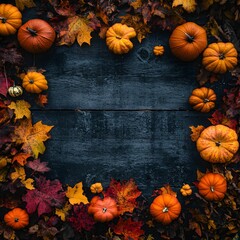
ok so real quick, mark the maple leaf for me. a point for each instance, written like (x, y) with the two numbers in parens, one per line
(63, 8)
(38, 166)
(10, 55)
(46, 195)
(125, 194)
(21, 4)
(5, 83)
(21, 109)
(75, 194)
(32, 137)
(18, 174)
(166, 189)
(21, 158)
(78, 29)
(196, 131)
(129, 229)
(136, 4)
(28, 183)
(188, 5)
(63, 212)
(42, 100)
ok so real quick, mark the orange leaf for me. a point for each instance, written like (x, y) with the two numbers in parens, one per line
(136, 4)
(21, 109)
(166, 189)
(21, 158)
(42, 100)
(196, 227)
(188, 5)
(196, 131)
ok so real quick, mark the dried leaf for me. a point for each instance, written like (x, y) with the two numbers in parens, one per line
(200, 174)
(28, 183)
(136, 4)
(18, 174)
(63, 212)
(75, 194)
(21, 158)
(21, 109)
(5, 83)
(196, 131)
(10, 55)
(188, 5)
(211, 224)
(42, 100)
(21, 4)
(196, 227)
(205, 4)
(166, 189)
(38, 166)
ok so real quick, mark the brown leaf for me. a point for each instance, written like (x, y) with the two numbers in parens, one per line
(21, 4)
(166, 189)
(200, 175)
(196, 227)
(203, 76)
(188, 5)
(136, 4)
(196, 131)
(42, 100)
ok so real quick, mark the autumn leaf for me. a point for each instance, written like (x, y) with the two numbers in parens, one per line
(19, 173)
(42, 100)
(21, 109)
(38, 166)
(46, 195)
(166, 189)
(75, 194)
(28, 183)
(136, 4)
(200, 174)
(21, 158)
(21, 4)
(129, 229)
(211, 224)
(32, 137)
(5, 83)
(10, 55)
(196, 131)
(188, 5)
(63, 212)
(196, 227)
(125, 194)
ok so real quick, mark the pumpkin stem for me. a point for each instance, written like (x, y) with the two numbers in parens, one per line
(117, 37)
(221, 56)
(33, 32)
(218, 144)
(4, 20)
(190, 39)
(31, 81)
(16, 219)
(212, 189)
(165, 210)
(104, 210)
(206, 100)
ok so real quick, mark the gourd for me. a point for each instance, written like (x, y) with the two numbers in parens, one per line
(17, 218)
(165, 208)
(212, 186)
(220, 57)
(103, 210)
(186, 190)
(36, 36)
(187, 41)
(10, 19)
(34, 82)
(202, 99)
(118, 38)
(158, 50)
(96, 188)
(217, 144)
(15, 91)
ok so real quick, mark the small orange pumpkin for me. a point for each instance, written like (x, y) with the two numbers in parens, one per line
(158, 50)
(36, 36)
(217, 144)
(10, 19)
(96, 188)
(34, 82)
(220, 57)
(165, 208)
(202, 99)
(212, 186)
(187, 41)
(103, 210)
(186, 190)
(118, 38)
(16, 218)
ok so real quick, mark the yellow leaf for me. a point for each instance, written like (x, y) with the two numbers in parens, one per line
(32, 137)
(63, 212)
(150, 237)
(28, 183)
(21, 4)
(21, 109)
(211, 224)
(18, 174)
(196, 131)
(75, 194)
(136, 4)
(188, 5)
(3, 162)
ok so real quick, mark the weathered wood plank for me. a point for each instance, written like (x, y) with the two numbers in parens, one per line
(153, 147)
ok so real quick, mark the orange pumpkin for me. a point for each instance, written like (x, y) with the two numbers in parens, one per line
(217, 144)
(118, 38)
(220, 57)
(187, 41)
(16, 218)
(34, 82)
(165, 208)
(96, 188)
(202, 99)
(36, 36)
(103, 210)
(10, 19)
(212, 186)
(158, 50)
(186, 190)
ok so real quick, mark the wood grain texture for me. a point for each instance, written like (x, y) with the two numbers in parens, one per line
(153, 147)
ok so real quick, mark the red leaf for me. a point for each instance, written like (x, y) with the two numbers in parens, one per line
(5, 83)
(38, 166)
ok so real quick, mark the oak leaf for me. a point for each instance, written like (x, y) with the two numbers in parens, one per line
(196, 131)
(75, 194)
(21, 158)
(21, 109)
(188, 5)
(21, 4)
(31, 136)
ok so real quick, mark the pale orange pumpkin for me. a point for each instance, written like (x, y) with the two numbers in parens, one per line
(217, 144)
(212, 186)
(158, 50)
(186, 190)
(96, 188)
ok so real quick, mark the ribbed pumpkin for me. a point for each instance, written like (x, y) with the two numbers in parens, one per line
(220, 57)
(118, 38)
(96, 188)
(186, 190)
(202, 99)
(10, 19)
(16, 218)
(165, 208)
(36, 36)
(217, 144)
(34, 82)
(15, 91)
(158, 50)
(103, 210)
(212, 186)
(187, 41)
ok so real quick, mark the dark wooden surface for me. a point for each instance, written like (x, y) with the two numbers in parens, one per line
(121, 116)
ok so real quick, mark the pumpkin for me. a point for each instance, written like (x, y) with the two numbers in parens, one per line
(10, 19)
(217, 144)
(212, 186)
(34, 82)
(36, 36)
(158, 50)
(117, 38)
(202, 99)
(165, 208)
(16, 218)
(103, 210)
(96, 188)
(220, 57)
(187, 41)
(15, 91)
(186, 190)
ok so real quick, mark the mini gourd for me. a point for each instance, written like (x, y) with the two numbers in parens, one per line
(15, 91)
(186, 190)
(158, 50)
(96, 188)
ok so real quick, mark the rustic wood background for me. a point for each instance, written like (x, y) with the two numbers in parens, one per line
(122, 116)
